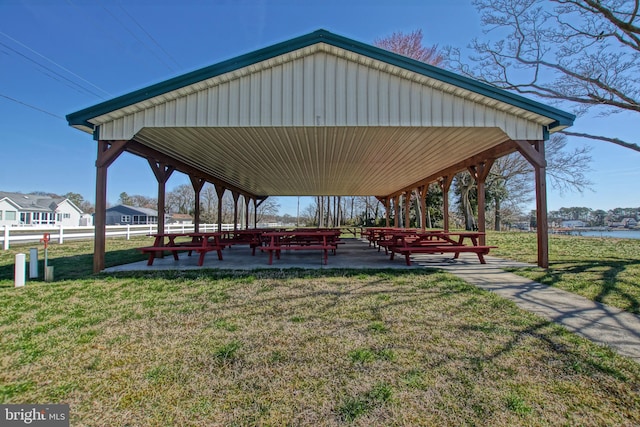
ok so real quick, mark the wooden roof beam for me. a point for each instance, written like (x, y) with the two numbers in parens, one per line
(138, 149)
(495, 152)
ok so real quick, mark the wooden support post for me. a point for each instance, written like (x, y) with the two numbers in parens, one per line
(534, 152)
(445, 184)
(255, 213)
(422, 192)
(108, 152)
(236, 196)
(163, 172)
(480, 172)
(246, 212)
(100, 217)
(220, 192)
(542, 224)
(197, 184)
(387, 208)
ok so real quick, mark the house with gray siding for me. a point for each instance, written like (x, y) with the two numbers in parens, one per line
(132, 215)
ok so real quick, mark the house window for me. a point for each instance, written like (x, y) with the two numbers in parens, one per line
(125, 218)
(58, 217)
(10, 215)
(66, 216)
(0, 215)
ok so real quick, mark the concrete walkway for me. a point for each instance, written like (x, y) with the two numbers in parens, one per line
(600, 323)
(597, 322)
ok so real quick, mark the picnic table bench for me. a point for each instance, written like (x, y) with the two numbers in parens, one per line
(202, 243)
(434, 242)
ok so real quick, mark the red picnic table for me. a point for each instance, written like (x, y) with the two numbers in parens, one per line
(433, 242)
(324, 240)
(201, 242)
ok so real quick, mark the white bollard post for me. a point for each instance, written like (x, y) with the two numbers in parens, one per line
(128, 232)
(33, 263)
(20, 270)
(61, 235)
(5, 243)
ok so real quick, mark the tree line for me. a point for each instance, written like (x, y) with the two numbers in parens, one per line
(594, 217)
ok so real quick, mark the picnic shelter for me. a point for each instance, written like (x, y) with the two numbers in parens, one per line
(320, 115)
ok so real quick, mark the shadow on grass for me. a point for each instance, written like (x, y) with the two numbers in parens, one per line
(74, 267)
(602, 273)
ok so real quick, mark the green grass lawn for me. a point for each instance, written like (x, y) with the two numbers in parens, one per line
(299, 347)
(600, 269)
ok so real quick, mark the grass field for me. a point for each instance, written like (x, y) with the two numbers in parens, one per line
(600, 269)
(299, 347)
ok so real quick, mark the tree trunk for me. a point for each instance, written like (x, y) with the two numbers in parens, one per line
(498, 218)
(467, 209)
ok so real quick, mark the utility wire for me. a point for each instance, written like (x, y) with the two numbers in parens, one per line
(148, 35)
(137, 38)
(56, 64)
(31, 106)
(51, 71)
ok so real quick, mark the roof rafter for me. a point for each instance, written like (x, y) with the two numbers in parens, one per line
(138, 149)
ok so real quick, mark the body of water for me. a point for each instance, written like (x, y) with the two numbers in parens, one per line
(618, 234)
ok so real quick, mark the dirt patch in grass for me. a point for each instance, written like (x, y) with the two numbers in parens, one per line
(302, 348)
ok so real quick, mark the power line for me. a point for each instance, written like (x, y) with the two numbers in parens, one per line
(56, 64)
(31, 106)
(149, 35)
(51, 71)
(137, 38)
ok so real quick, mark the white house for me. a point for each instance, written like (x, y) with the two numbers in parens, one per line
(17, 209)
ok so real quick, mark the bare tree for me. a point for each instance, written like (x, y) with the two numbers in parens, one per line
(585, 52)
(181, 199)
(209, 203)
(138, 201)
(411, 45)
(268, 209)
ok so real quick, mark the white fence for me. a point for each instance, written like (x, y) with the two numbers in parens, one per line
(59, 234)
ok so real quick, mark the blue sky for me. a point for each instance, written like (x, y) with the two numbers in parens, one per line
(59, 56)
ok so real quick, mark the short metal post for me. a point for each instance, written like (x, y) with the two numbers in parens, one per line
(33, 263)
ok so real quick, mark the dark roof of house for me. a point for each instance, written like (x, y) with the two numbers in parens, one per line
(132, 210)
(34, 202)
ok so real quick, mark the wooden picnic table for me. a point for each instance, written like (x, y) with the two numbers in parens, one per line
(324, 240)
(432, 242)
(252, 237)
(201, 242)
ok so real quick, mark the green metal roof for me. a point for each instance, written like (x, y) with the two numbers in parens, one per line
(82, 117)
